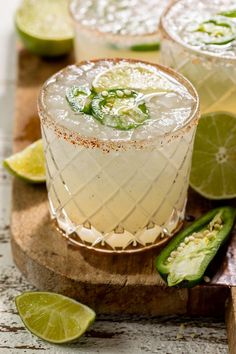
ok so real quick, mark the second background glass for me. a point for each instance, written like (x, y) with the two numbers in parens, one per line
(117, 29)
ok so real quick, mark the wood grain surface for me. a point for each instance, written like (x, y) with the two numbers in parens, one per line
(108, 283)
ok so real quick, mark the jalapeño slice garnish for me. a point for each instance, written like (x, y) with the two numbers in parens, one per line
(141, 47)
(121, 109)
(220, 31)
(230, 13)
(79, 99)
(145, 47)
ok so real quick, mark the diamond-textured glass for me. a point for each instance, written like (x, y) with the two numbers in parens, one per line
(111, 189)
(117, 29)
(194, 43)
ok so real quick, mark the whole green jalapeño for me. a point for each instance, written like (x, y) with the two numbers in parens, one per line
(185, 259)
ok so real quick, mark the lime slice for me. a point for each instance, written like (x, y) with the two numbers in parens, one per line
(214, 157)
(139, 77)
(45, 27)
(28, 164)
(53, 317)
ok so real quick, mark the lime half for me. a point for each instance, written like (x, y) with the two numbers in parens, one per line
(53, 317)
(138, 77)
(28, 164)
(213, 173)
(45, 27)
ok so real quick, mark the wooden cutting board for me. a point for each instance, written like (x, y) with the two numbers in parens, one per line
(108, 283)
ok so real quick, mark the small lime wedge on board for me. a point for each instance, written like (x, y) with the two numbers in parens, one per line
(54, 317)
(45, 27)
(213, 173)
(28, 164)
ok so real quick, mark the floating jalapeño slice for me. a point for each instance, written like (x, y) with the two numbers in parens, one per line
(220, 32)
(122, 109)
(79, 99)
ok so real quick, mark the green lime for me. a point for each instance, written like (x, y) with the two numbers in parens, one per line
(139, 77)
(45, 27)
(28, 164)
(214, 157)
(54, 317)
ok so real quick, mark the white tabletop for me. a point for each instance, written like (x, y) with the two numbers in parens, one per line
(108, 335)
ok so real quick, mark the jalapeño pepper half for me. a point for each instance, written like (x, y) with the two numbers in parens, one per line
(185, 259)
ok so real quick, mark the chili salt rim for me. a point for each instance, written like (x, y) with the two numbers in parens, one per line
(175, 38)
(108, 144)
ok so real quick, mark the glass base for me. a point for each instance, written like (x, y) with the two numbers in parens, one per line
(119, 240)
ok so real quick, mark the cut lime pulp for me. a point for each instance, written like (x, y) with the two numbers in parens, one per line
(28, 164)
(213, 173)
(54, 317)
(45, 27)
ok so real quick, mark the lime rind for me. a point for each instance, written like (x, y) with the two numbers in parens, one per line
(214, 157)
(55, 318)
(28, 164)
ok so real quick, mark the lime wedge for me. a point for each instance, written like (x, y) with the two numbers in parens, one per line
(213, 173)
(53, 317)
(139, 77)
(28, 164)
(45, 27)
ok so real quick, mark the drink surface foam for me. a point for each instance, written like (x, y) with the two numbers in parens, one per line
(123, 17)
(169, 102)
(184, 17)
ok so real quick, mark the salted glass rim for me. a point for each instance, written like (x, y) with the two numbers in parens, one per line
(175, 38)
(118, 144)
(115, 37)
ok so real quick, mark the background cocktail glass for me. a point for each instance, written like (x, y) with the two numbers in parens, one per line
(115, 194)
(112, 39)
(212, 73)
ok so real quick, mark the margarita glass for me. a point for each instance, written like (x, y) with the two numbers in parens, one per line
(118, 137)
(117, 29)
(199, 40)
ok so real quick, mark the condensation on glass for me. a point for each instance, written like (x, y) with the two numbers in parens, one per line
(117, 29)
(115, 195)
(211, 69)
